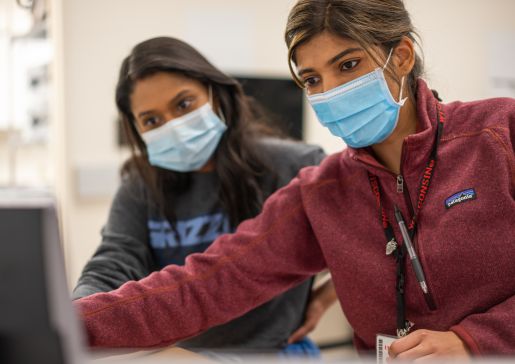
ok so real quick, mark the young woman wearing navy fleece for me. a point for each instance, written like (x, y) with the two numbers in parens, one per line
(449, 169)
(204, 161)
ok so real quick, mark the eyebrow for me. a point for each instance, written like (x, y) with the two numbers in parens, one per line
(179, 95)
(333, 59)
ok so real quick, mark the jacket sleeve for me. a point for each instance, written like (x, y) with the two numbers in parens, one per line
(123, 254)
(491, 332)
(264, 257)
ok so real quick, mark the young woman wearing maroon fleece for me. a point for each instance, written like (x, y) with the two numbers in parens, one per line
(449, 169)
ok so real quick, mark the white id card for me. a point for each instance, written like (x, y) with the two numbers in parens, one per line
(383, 343)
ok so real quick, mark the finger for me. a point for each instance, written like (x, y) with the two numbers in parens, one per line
(405, 343)
(416, 352)
(427, 358)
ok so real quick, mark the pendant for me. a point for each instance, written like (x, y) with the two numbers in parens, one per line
(406, 330)
(391, 246)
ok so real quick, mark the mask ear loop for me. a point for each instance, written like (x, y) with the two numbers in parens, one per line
(219, 111)
(388, 59)
(401, 100)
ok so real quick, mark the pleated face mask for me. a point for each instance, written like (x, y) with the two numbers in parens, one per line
(362, 112)
(186, 143)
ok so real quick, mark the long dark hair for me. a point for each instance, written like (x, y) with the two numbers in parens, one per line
(237, 162)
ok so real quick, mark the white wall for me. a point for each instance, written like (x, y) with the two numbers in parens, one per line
(244, 37)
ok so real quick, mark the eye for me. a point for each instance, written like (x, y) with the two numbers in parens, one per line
(311, 81)
(348, 65)
(184, 104)
(150, 121)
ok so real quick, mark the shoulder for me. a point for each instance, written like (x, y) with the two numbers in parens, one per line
(494, 118)
(132, 187)
(478, 115)
(329, 170)
(279, 153)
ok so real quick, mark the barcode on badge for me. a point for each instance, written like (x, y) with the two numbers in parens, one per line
(379, 351)
(383, 343)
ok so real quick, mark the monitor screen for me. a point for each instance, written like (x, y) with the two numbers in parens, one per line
(281, 99)
(37, 319)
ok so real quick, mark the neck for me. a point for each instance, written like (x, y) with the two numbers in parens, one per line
(389, 152)
(208, 167)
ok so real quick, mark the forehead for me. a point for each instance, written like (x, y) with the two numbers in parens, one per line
(164, 81)
(159, 88)
(320, 49)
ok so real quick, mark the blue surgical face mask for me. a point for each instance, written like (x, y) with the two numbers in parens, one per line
(186, 143)
(362, 112)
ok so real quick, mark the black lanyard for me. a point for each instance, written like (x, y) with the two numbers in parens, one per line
(399, 251)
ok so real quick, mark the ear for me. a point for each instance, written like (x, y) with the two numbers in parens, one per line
(404, 56)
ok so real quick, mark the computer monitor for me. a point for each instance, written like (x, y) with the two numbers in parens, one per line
(37, 321)
(281, 99)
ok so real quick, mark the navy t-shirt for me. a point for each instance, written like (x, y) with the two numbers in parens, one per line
(137, 239)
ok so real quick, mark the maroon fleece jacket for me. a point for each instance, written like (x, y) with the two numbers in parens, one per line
(327, 218)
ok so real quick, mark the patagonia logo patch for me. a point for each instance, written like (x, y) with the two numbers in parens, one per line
(460, 197)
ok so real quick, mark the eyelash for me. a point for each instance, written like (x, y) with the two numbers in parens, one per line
(308, 80)
(353, 64)
(149, 122)
(181, 107)
(188, 101)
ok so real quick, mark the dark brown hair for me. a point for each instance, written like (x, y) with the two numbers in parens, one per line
(380, 23)
(237, 161)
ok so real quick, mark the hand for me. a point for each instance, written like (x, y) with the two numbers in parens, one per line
(428, 345)
(321, 299)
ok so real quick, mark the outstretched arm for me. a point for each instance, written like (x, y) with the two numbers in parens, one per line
(264, 257)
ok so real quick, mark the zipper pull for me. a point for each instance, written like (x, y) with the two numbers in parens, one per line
(400, 184)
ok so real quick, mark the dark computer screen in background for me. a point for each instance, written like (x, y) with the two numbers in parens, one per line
(281, 98)
(26, 335)
(37, 324)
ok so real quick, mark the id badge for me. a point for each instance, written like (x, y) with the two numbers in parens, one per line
(383, 343)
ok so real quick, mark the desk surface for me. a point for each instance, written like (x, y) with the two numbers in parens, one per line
(149, 356)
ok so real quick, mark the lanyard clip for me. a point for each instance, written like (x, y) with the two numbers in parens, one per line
(406, 330)
(400, 184)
